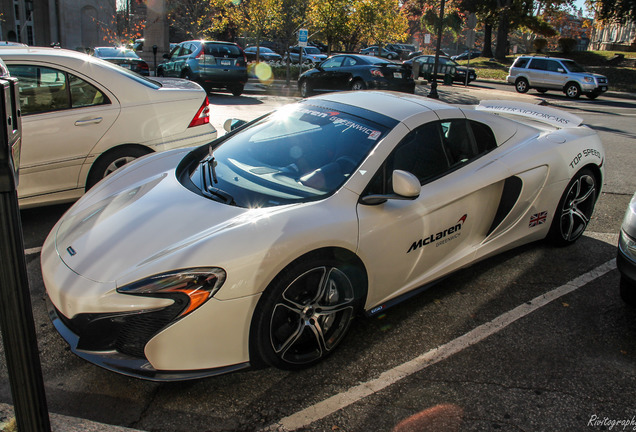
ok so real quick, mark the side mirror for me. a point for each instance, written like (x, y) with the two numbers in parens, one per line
(405, 187)
(231, 124)
(560, 70)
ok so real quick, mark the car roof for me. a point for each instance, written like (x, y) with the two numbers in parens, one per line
(396, 105)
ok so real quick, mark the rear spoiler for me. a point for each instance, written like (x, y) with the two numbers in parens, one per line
(553, 116)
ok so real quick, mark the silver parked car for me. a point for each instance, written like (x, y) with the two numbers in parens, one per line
(626, 259)
(548, 73)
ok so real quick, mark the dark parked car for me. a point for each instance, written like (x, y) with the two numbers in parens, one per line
(356, 72)
(422, 66)
(123, 57)
(375, 51)
(465, 54)
(264, 54)
(212, 64)
(626, 259)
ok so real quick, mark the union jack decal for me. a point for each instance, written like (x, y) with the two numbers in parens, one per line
(538, 219)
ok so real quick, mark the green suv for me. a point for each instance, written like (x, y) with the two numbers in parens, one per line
(212, 64)
(549, 73)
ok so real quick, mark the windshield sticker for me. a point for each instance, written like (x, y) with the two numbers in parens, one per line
(333, 116)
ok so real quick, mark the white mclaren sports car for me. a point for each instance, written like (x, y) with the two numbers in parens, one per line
(260, 248)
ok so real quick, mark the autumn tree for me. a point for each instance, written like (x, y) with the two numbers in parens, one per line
(620, 11)
(381, 21)
(257, 17)
(198, 19)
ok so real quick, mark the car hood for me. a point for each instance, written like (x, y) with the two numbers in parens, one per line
(103, 238)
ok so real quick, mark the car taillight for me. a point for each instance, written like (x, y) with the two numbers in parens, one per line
(203, 115)
(143, 66)
(377, 73)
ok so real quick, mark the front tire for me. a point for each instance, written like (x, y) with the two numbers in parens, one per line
(522, 86)
(237, 90)
(592, 96)
(628, 292)
(574, 210)
(305, 89)
(111, 161)
(573, 90)
(304, 314)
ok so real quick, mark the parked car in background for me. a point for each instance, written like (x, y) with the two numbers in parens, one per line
(465, 55)
(423, 66)
(356, 72)
(310, 54)
(123, 57)
(401, 51)
(264, 53)
(83, 117)
(375, 51)
(551, 73)
(626, 259)
(212, 64)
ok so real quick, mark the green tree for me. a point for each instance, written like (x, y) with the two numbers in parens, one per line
(257, 17)
(331, 19)
(381, 21)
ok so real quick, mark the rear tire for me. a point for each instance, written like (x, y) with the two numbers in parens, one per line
(110, 161)
(574, 210)
(237, 90)
(522, 86)
(358, 85)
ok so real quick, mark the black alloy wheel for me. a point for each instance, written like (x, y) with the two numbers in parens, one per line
(304, 314)
(575, 209)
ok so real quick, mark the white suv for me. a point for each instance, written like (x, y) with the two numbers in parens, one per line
(548, 73)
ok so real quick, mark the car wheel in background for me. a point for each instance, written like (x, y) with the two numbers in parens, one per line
(160, 72)
(575, 209)
(572, 90)
(111, 161)
(304, 314)
(521, 85)
(305, 89)
(186, 75)
(237, 90)
(628, 292)
(358, 85)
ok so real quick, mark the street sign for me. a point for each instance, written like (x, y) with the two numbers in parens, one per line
(302, 37)
(427, 38)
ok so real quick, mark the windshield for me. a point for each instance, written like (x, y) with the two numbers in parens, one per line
(312, 50)
(573, 66)
(297, 154)
(115, 52)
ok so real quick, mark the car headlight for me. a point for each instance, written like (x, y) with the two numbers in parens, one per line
(190, 288)
(588, 79)
(627, 245)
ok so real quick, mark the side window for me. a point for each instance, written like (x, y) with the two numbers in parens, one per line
(41, 89)
(521, 62)
(554, 66)
(458, 141)
(539, 64)
(420, 152)
(484, 136)
(349, 61)
(175, 52)
(332, 63)
(84, 94)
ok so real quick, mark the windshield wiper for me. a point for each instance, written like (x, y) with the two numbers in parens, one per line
(210, 179)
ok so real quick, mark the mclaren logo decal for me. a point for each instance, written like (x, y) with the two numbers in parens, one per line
(441, 237)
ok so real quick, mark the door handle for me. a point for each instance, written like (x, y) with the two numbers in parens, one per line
(95, 120)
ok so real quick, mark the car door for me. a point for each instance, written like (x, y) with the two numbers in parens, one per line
(330, 75)
(408, 243)
(556, 74)
(537, 72)
(63, 117)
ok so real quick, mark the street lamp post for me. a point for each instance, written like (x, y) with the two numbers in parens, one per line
(433, 93)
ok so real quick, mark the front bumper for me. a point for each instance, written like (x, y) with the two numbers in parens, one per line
(626, 258)
(130, 365)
